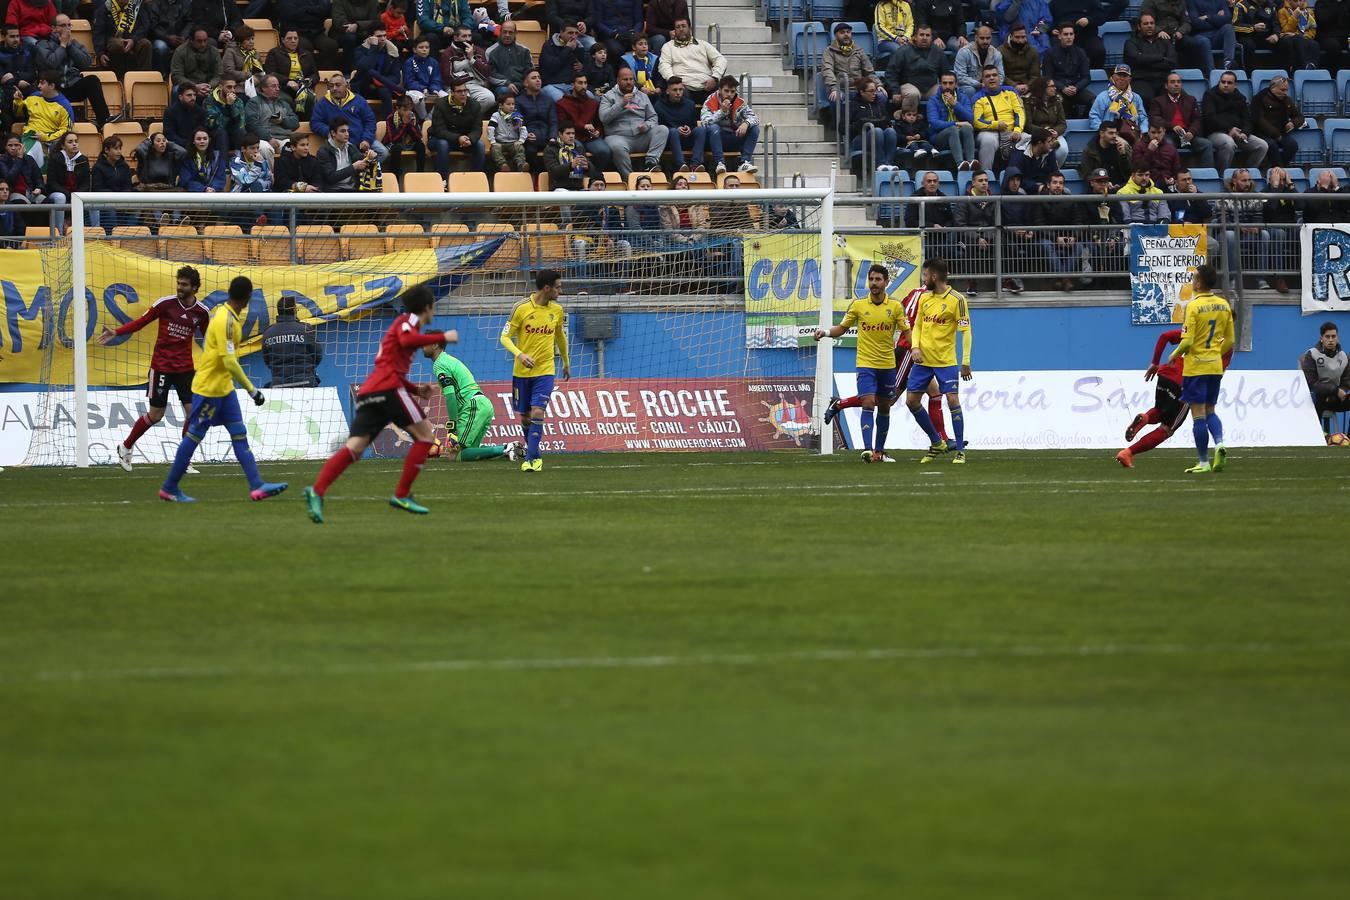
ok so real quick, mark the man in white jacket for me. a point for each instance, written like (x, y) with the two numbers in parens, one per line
(699, 64)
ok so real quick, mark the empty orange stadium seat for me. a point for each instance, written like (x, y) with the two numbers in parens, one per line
(361, 240)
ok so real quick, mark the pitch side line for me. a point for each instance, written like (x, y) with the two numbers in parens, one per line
(525, 664)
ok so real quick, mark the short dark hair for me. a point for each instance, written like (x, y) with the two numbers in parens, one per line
(674, 79)
(989, 69)
(546, 278)
(241, 288)
(936, 266)
(111, 143)
(191, 275)
(1325, 327)
(1108, 123)
(249, 139)
(878, 267)
(1205, 276)
(728, 82)
(1183, 171)
(242, 33)
(1037, 134)
(50, 75)
(338, 122)
(1017, 26)
(418, 298)
(1140, 167)
(286, 305)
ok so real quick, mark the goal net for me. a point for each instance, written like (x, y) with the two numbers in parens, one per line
(689, 313)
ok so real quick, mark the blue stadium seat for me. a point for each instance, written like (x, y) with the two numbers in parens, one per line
(1114, 35)
(793, 10)
(827, 10)
(1263, 77)
(1244, 83)
(1312, 147)
(1299, 179)
(1099, 81)
(865, 40)
(1193, 82)
(1338, 140)
(890, 184)
(807, 41)
(1073, 182)
(1207, 181)
(1343, 88)
(1315, 91)
(1078, 136)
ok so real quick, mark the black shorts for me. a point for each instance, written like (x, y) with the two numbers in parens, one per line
(159, 384)
(375, 411)
(1167, 401)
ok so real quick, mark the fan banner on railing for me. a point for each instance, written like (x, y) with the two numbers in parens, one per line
(1325, 267)
(782, 289)
(122, 285)
(1162, 263)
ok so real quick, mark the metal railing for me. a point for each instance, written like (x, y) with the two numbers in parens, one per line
(717, 41)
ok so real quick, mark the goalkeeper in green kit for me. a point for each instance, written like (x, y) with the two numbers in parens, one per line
(468, 410)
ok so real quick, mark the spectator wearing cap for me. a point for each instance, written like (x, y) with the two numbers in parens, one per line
(1149, 57)
(1212, 22)
(844, 64)
(1228, 120)
(1146, 205)
(1174, 23)
(915, 69)
(1275, 117)
(1107, 243)
(1068, 65)
(1120, 104)
(1326, 368)
(1021, 62)
(1109, 153)
(1000, 119)
(973, 58)
(1180, 113)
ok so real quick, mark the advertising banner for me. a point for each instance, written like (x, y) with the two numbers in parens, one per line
(1325, 266)
(123, 285)
(1162, 263)
(1089, 410)
(294, 423)
(782, 282)
(650, 414)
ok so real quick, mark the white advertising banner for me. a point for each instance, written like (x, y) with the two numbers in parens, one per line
(294, 423)
(1089, 410)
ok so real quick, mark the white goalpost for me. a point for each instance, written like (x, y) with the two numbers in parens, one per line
(690, 311)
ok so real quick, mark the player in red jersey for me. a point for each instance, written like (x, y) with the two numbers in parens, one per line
(387, 396)
(180, 317)
(1168, 412)
(903, 361)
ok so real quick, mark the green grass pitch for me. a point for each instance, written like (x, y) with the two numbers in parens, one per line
(690, 676)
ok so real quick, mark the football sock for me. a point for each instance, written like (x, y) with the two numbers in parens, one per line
(532, 437)
(921, 416)
(244, 453)
(181, 460)
(472, 454)
(1201, 431)
(867, 418)
(1150, 440)
(141, 427)
(959, 426)
(883, 426)
(336, 465)
(412, 467)
(1215, 428)
(935, 413)
(849, 403)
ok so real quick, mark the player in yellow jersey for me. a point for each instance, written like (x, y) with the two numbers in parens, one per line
(537, 327)
(878, 318)
(1205, 337)
(942, 313)
(214, 401)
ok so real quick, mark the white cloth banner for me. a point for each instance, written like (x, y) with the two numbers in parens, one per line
(295, 423)
(1325, 267)
(1089, 410)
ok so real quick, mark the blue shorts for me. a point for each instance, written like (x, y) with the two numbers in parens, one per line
(1200, 390)
(920, 375)
(208, 411)
(876, 381)
(531, 392)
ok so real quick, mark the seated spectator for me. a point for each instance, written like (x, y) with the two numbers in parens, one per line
(731, 124)
(423, 82)
(1120, 104)
(1034, 15)
(615, 23)
(975, 242)
(11, 223)
(1280, 215)
(869, 108)
(1257, 28)
(121, 34)
(1021, 62)
(184, 116)
(1275, 117)
(662, 15)
(1067, 65)
(378, 68)
(59, 52)
(1321, 211)
(33, 18)
(457, 126)
(1179, 113)
(1248, 239)
(565, 160)
(111, 173)
(170, 26)
(541, 117)
(1045, 110)
(600, 72)
(1000, 119)
(973, 59)
(195, 62)
(506, 134)
(354, 21)
(219, 19)
(250, 173)
(22, 173)
(225, 115)
(1150, 210)
(646, 67)
(1109, 153)
(630, 124)
(1156, 153)
(1228, 120)
(950, 126)
(915, 70)
(699, 63)
(508, 61)
(158, 161)
(598, 231)
(18, 63)
(463, 61)
(439, 18)
(395, 20)
(913, 148)
(203, 170)
(342, 162)
(935, 214)
(561, 61)
(843, 64)
(290, 349)
(1186, 211)
(306, 18)
(1018, 242)
(270, 116)
(1066, 245)
(68, 171)
(1298, 34)
(403, 134)
(1036, 161)
(1333, 33)
(683, 224)
(683, 130)
(893, 26)
(1173, 21)
(360, 118)
(297, 70)
(297, 169)
(242, 62)
(1327, 370)
(1108, 244)
(48, 114)
(583, 111)
(1150, 58)
(1212, 22)
(947, 18)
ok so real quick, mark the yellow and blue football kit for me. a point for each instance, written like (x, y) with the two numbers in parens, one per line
(877, 326)
(536, 331)
(940, 316)
(1205, 337)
